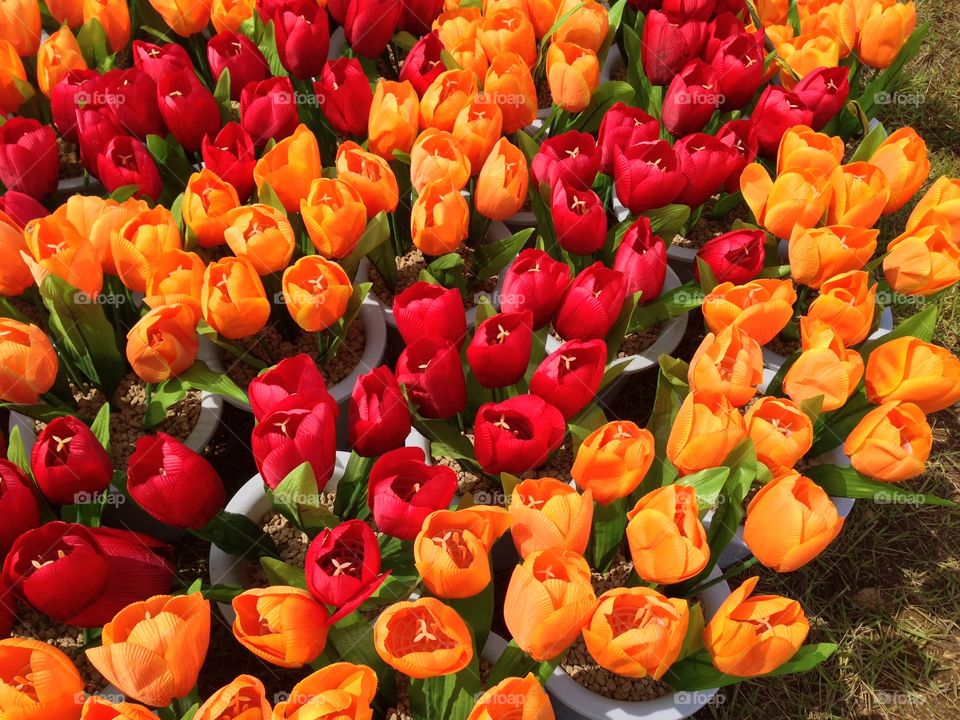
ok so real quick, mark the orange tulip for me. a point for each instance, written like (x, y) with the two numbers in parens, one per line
(243, 699)
(261, 234)
(543, 14)
(939, 206)
(184, 17)
(922, 262)
(762, 308)
(468, 53)
(176, 276)
(808, 51)
(230, 14)
(667, 541)
(98, 708)
(751, 636)
(509, 84)
(860, 193)
(547, 513)
(392, 122)
(458, 24)
(818, 254)
(140, 241)
(502, 185)
(573, 73)
(846, 302)
(508, 29)
(913, 371)
(423, 638)
(902, 158)
(58, 55)
(730, 362)
(773, 12)
(283, 625)
(370, 176)
(884, 31)
(447, 95)
(20, 25)
(15, 276)
(836, 16)
(796, 200)
(28, 362)
(12, 77)
(790, 521)
(891, 442)
(440, 219)
(804, 149)
(341, 690)
(234, 302)
(613, 460)
(334, 216)
(477, 130)
(316, 291)
(206, 201)
(637, 632)
(706, 430)
(453, 548)
(55, 248)
(824, 368)
(521, 698)
(587, 26)
(781, 432)
(549, 600)
(289, 167)
(37, 682)
(113, 16)
(67, 12)
(100, 220)
(436, 157)
(153, 650)
(163, 343)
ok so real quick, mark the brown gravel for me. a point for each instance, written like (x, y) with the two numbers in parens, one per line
(785, 346)
(558, 466)
(401, 711)
(707, 229)
(636, 343)
(579, 665)
(70, 165)
(290, 540)
(544, 96)
(485, 489)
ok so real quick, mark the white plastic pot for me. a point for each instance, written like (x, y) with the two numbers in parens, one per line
(68, 187)
(614, 62)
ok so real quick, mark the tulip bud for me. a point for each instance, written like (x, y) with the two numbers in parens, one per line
(509, 82)
(392, 124)
(131, 96)
(579, 220)
(499, 351)
(741, 136)
(21, 26)
(28, 362)
(29, 160)
(245, 694)
(294, 433)
(708, 427)
(510, 30)
(691, 99)
(824, 369)
(913, 371)
(297, 375)
(738, 66)
(477, 129)
(20, 509)
(760, 307)
(234, 302)
(623, 126)
(571, 156)
(76, 88)
(189, 110)
(141, 239)
(59, 54)
(446, 96)
(430, 311)
(316, 291)
(891, 443)
(53, 686)
(303, 37)
(163, 343)
(667, 46)
(592, 304)
(231, 156)
(334, 216)
(517, 435)
(569, 377)
(573, 73)
(68, 461)
(268, 110)
(236, 53)
(355, 684)
(706, 162)
(884, 28)
(819, 254)
(647, 175)
(667, 541)
(207, 202)
(902, 158)
(404, 490)
(343, 567)
(781, 432)
(344, 93)
(379, 417)
(797, 200)
(96, 127)
(176, 277)
(289, 167)
(860, 194)
(430, 370)
(283, 625)
(777, 111)
(12, 74)
(370, 176)
(736, 256)
(422, 65)
(125, 161)
(847, 303)
(369, 25)
(229, 15)
(158, 61)
(730, 363)
(825, 92)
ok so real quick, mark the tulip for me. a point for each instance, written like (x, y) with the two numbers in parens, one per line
(316, 292)
(730, 363)
(509, 30)
(445, 97)
(59, 54)
(289, 167)
(429, 368)
(19, 506)
(824, 91)
(776, 112)
(514, 697)
(343, 567)
(417, 16)
(234, 302)
(569, 377)
(741, 136)
(425, 310)
(55, 248)
(586, 24)
(96, 127)
(163, 343)
(738, 65)
(436, 157)
(667, 46)
(938, 206)
(188, 109)
(591, 304)
(244, 696)
(98, 708)
(923, 262)
(38, 682)
(571, 156)
(499, 351)
(439, 219)
(452, 549)
(231, 156)
(422, 64)
(642, 258)
(534, 282)
(468, 53)
(379, 417)
(781, 432)
(825, 368)
(885, 28)
(423, 638)
(15, 276)
(392, 125)
(114, 18)
(370, 176)
(913, 371)
(691, 99)
(802, 148)
(262, 235)
(141, 239)
(20, 208)
(303, 37)
(623, 126)
(293, 434)
(573, 73)
(12, 75)
(297, 375)
(21, 26)
(707, 428)
(334, 216)
(477, 128)
(125, 161)
(348, 688)
(613, 460)
(369, 25)
(176, 277)
(404, 490)
(548, 514)
(29, 162)
(130, 95)
(517, 435)
(268, 110)
(283, 625)
(891, 443)
(647, 175)
(706, 162)
(28, 362)
(235, 52)
(509, 82)
(796, 200)
(902, 158)
(579, 219)
(158, 61)
(760, 307)
(228, 15)
(207, 202)
(803, 53)
(502, 184)
(184, 18)
(736, 256)
(846, 302)
(343, 92)
(68, 461)
(860, 194)
(173, 483)
(549, 599)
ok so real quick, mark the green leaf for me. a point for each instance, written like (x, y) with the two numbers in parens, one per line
(281, 573)
(221, 93)
(541, 211)
(404, 40)
(672, 388)
(449, 61)
(445, 440)
(221, 593)
(609, 526)
(449, 271)
(477, 611)
(707, 280)
(493, 257)
(587, 421)
(163, 396)
(298, 498)
(868, 146)
(847, 482)
(615, 16)
(671, 304)
(200, 377)
(605, 97)
(621, 327)
(693, 640)
(922, 326)
(93, 43)
(485, 310)
(352, 638)
(698, 673)
(558, 23)
(374, 235)
(350, 501)
(17, 453)
(450, 697)
(172, 163)
(669, 220)
(238, 535)
(124, 193)
(101, 426)
(268, 196)
(708, 484)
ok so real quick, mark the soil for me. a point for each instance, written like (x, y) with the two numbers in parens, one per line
(70, 165)
(290, 540)
(544, 97)
(636, 343)
(785, 346)
(707, 229)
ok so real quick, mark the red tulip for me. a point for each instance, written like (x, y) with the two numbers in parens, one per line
(736, 257)
(21, 208)
(422, 64)
(691, 99)
(647, 175)
(295, 375)
(667, 46)
(290, 436)
(642, 258)
(417, 16)
(235, 52)
(158, 61)
(96, 127)
(18, 506)
(303, 37)
(68, 460)
(572, 156)
(268, 110)
(343, 567)
(535, 282)
(777, 111)
(403, 490)
(131, 95)
(231, 156)
(425, 310)
(29, 159)
(75, 89)
(723, 27)
(683, 10)
(569, 377)
(738, 65)
(517, 435)
(344, 94)
(499, 351)
(188, 109)
(379, 416)
(125, 161)
(579, 219)
(430, 370)
(825, 92)
(706, 163)
(370, 24)
(173, 483)
(591, 304)
(741, 135)
(623, 126)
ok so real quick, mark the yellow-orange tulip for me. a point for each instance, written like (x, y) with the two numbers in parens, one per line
(153, 650)
(883, 32)
(423, 638)
(836, 16)
(796, 200)
(316, 291)
(547, 513)
(98, 708)
(176, 276)
(20, 25)
(163, 343)
(587, 26)
(706, 430)
(730, 362)
(939, 206)
(825, 367)
(370, 176)
(573, 74)
(58, 55)
(637, 632)
(790, 521)
(667, 541)
(184, 17)
(113, 16)
(781, 432)
(37, 682)
(804, 149)
(804, 53)
(914, 371)
(468, 53)
(510, 85)
(847, 303)
(922, 262)
(543, 14)
(902, 158)
(773, 12)
(477, 130)
(334, 216)
(289, 167)
(508, 29)
(502, 185)
(860, 194)
(818, 254)
(520, 698)
(28, 362)
(100, 220)
(549, 600)
(752, 636)
(230, 14)
(452, 550)
(393, 120)
(206, 201)
(283, 625)
(440, 218)
(341, 690)
(233, 300)
(762, 308)
(613, 460)
(55, 248)
(15, 276)
(447, 95)
(12, 76)
(891, 442)
(243, 699)
(261, 234)
(458, 24)
(435, 157)
(140, 241)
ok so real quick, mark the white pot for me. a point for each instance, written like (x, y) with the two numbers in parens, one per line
(614, 62)
(68, 187)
